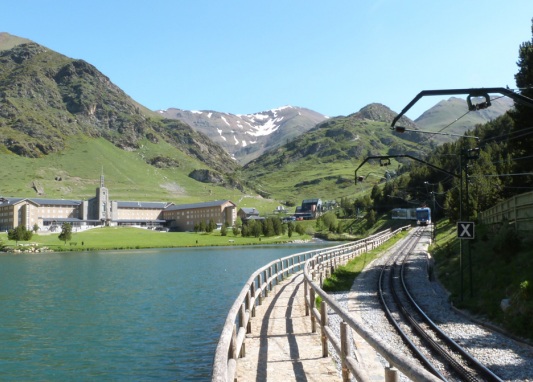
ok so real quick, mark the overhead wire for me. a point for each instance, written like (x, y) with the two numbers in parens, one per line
(512, 159)
(430, 135)
(508, 135)
(457, 119)
(499, 175)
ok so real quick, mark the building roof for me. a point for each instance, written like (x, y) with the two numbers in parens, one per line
(9, 201)
(39, 201)
(146, 205)
(139, 221)
(256, 218)
(311, 201)
(215, 203)
(249, 210)
(68, 220)
(56, 202)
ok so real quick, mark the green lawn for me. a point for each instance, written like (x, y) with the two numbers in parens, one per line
(136, 238)
(343, 277)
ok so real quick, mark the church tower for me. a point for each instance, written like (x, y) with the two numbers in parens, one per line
(102, 201)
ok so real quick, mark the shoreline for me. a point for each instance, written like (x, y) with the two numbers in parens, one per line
(35, 248)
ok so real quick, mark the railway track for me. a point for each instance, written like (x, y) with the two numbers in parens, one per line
(431, 346)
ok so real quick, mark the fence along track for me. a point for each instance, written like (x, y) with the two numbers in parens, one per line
(517, 211)
(231, 345)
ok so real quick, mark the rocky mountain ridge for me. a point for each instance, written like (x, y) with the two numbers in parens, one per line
(247, 136)
(47, 97)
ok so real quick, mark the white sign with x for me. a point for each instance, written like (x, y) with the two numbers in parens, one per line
(465, 230)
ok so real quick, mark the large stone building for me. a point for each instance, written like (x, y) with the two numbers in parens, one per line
(185, 216)
(50, 214)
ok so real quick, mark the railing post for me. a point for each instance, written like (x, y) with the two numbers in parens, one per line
(260, 281)
(344, 351)
(323, 324)
(252, 293)
(391, 374)
(265, 284)
(291, 271)
(248, 307)
(242, 315)
(305, 297)
(312, 303)
(233, 345)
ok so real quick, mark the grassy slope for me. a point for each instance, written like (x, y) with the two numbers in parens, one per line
(333, 176)
(127, 175)
(8, 41)
(494, 277)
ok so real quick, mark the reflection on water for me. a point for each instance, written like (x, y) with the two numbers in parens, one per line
(121, 315)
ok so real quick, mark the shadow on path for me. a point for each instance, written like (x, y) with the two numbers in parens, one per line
(294, 352)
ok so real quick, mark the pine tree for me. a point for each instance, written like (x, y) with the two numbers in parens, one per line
(521, 143)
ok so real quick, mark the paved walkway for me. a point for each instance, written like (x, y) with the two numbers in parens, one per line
(281, 346)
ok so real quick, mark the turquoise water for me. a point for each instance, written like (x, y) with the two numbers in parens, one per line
(151, 315)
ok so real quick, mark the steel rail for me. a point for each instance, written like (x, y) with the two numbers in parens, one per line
(381, 295)
(454, 346)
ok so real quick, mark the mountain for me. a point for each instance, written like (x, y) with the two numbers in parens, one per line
(62, 121)
(247, 136)
(48, 100)
(8, 41)
(321, 162)
(452, 116)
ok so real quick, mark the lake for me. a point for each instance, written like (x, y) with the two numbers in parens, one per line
(145, 315)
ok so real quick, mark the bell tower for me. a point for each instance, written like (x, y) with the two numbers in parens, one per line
(102, 200)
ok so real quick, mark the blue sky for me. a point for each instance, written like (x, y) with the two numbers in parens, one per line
(243, 57)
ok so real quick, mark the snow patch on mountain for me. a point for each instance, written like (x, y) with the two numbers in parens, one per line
(225, 121)
(255, 132)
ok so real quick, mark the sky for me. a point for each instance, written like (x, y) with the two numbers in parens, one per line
(243, 57)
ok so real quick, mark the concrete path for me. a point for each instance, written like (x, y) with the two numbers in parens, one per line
(281, 346)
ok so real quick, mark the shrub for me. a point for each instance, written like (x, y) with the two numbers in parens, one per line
(518, 316)
(507, 242)
(300, 230)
